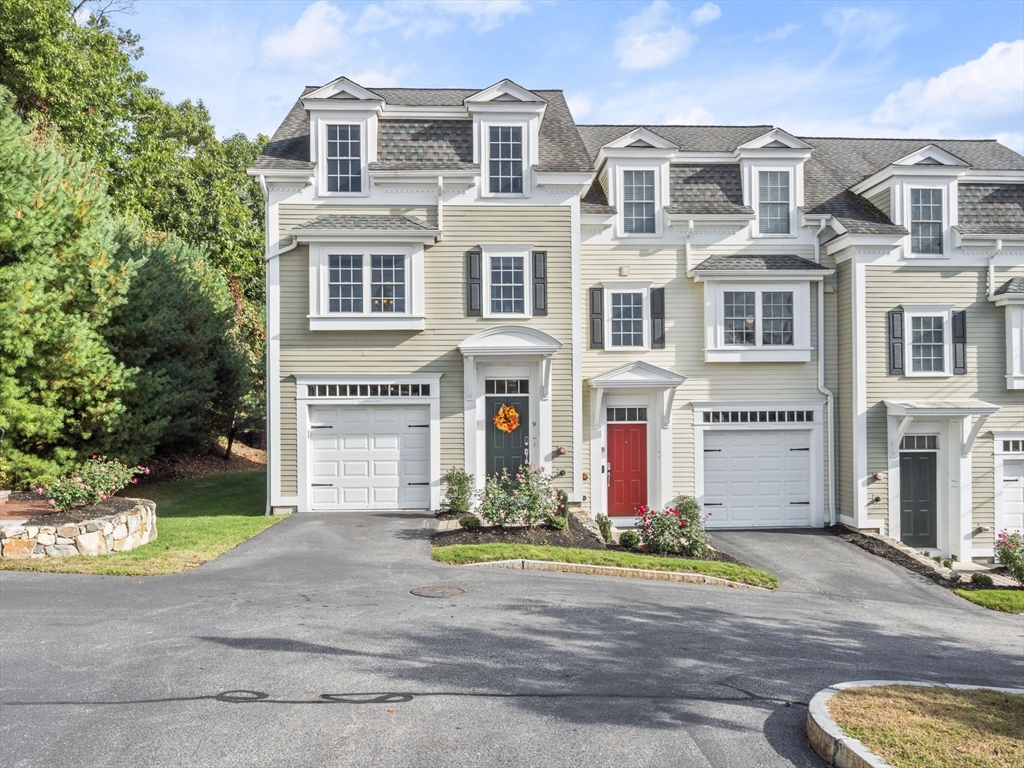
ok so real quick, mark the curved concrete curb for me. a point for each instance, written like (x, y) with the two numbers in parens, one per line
(835, 747)
(611, 570)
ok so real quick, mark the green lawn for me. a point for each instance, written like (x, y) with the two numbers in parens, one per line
(197, 520)
(460, 554)
(1005, 600)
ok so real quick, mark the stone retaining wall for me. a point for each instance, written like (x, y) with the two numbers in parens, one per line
(112, 533)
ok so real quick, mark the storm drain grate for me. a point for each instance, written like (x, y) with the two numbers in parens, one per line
(437, 591)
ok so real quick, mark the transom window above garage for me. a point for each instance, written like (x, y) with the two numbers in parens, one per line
(507, 387)
(367, 390)
(757, 417)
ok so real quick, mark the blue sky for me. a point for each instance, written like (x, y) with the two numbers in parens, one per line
(920, 69)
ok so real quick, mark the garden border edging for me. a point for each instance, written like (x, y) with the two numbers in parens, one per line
(836, 748)
(612, 570)
(101, 535)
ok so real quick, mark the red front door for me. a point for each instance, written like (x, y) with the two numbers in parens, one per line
(627, 468)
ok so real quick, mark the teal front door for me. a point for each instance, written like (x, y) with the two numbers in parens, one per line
(919, 509)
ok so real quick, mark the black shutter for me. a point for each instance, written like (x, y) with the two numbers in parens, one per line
(540, 282)
(657, 318)
(474, 284)
(597, 318)
(896, 341)
(959, 342)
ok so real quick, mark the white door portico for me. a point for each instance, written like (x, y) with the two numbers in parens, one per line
(512, 352)
(636, 384)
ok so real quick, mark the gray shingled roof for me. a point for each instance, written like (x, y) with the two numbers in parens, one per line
(412, 145)
(561, 148)
(689, 138)
(363, 222)
(991, 209)
(1013, 285)
(757, 263)
(596, 201)
(706, 189)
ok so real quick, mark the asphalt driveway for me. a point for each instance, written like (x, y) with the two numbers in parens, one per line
(315, 620)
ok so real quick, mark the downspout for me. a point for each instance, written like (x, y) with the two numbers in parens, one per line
(829, 442)
(992, 268)
(689, 231)
(440, 207)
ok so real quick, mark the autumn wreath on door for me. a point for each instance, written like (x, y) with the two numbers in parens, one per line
(506, 419)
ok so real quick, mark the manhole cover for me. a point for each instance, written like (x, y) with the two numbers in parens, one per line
(437, 591)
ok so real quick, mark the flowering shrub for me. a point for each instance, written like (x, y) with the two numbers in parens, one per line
(1010, 552)
(459, 490)
(527, 498)
(675, 530)
(91, 483)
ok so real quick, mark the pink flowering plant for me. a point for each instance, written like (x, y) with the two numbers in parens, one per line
(96, 480)
(526, 498)
(677, 529)
(1010, 553)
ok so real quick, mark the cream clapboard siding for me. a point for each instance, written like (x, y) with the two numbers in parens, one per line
(684, 345)
(292, 215)
(965, 288)
(844, 390)
(435, 349)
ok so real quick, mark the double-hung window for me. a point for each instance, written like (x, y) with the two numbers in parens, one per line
(627, 319)
(508, 285)
(352, 277)
(773, 202)
(638, 202)
(506, 160)
(927, 344)
(344, 158)
(757, 318)
(926, 221)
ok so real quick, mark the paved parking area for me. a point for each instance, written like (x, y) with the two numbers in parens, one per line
(314, 617)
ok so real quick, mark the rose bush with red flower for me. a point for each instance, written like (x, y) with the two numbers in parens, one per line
(1010, 552)
(677, 529)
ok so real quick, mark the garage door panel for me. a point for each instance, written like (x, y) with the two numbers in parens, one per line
(1013, 494)
(376, 451)
(755, 477)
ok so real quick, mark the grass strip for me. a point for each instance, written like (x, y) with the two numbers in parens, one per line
(461, 554)
(197, 520)
(1005, 600)
(921, 727)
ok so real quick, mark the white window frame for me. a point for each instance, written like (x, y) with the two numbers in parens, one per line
(526, 252)
(756, 197)
(367, 133)
(321, 319)
(716, 351)
(654, 202)
(1001, 456)
(660, 195)
(945, 311)
(484, 140)
(942, 218)
(900, 200)
(1014, 344)
(643, 288)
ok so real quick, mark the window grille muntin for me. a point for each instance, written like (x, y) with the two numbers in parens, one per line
(920, 443)
(626, 414)
(927, 343)
(1013, 446)
(627, 319)
(506, 160)
(387, 284)
(740, 318)
(926, 221)
(777, 318)
(367, 390)
(638, 202)
(344, 159)
(507, 387)
(344, 283)
(508, 285)
(758, 417)
(773, 199)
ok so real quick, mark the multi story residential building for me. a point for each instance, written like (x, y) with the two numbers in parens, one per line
(796, 331)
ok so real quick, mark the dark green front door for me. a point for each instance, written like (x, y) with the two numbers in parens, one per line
(507, 450)
(918, 506)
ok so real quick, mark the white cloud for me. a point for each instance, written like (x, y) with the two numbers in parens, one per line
(777, 34)
(418, 19)
(318, 31)
(864, 27)
(705, 14)
(1014, 141)
(989, 87)
(650, 39)
(695, 116)
(579, 105)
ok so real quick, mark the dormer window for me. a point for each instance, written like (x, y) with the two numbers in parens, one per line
(638, 202)
(344, 158)
(773, 202)
(926, 221)
(506, 160)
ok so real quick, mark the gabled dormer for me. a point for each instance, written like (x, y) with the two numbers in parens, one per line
(919, 193)
(506, 130)
(342, 136)
(772, 167)
(634, 171)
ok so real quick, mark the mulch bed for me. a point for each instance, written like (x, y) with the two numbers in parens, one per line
(114, 505)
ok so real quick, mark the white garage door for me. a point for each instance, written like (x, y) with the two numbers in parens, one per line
(1013, 494)
(755, 478)
(369, 457)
